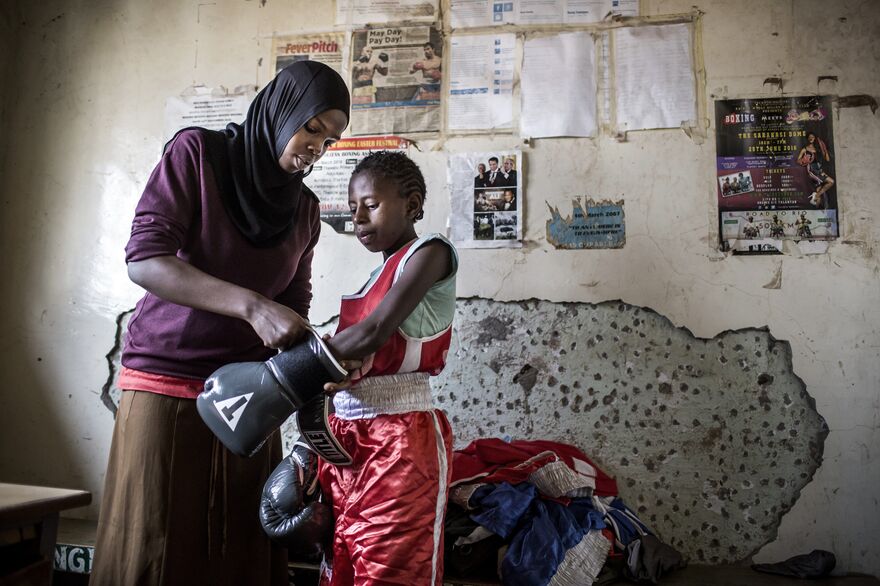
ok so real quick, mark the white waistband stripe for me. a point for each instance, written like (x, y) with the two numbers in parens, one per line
(384, 395)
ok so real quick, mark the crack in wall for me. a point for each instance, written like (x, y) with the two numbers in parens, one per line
(109, 392)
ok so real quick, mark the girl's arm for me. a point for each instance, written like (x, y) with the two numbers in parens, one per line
(176, 281)
(427, 265)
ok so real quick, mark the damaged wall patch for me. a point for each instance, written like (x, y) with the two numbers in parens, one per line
(710, 440)
(591, 225)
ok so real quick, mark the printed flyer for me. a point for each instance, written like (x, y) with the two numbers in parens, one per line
(776, 175)
(329, 177)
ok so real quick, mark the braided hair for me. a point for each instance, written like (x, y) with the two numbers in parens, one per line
(397, 168)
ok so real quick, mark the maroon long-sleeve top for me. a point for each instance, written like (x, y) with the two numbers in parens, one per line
(181, 213)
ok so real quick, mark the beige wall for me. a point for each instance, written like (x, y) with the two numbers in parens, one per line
(82, 121)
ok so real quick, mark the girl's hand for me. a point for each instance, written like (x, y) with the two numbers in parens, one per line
(349, 365)
(333, 388)
(277, 325)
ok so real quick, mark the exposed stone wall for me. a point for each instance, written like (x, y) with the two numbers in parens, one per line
(711, 440)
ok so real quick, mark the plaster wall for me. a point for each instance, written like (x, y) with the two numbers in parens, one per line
(84, 99)
(8, 43)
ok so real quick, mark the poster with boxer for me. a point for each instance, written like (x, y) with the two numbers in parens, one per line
(487, 199)
(396, 76)
(775, 172)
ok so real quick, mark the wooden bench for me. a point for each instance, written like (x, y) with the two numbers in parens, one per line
(29, 520)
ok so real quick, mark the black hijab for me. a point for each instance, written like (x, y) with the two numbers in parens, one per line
(261, 198)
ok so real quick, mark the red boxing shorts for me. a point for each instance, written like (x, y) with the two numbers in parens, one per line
(390, 503)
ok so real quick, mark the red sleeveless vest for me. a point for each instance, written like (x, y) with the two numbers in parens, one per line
(401, 353)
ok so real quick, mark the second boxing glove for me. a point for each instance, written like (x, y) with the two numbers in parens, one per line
(244, 403)
(290, 511)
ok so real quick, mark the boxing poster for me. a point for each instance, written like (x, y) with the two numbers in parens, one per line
(396, 76)
(487, 199)
(330, 176)
(775, 172)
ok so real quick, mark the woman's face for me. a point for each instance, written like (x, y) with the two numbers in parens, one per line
(811, 138)
(481, 168)
(310, 142)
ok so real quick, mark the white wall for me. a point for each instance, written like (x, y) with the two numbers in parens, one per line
(85, 95)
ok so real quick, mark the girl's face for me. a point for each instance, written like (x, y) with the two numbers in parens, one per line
(383, 220)
(310, 142)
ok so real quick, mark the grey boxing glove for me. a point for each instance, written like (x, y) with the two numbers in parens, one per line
(244, 403)
(290, 511)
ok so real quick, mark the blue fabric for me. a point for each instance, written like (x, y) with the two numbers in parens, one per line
(624, 522)
(586, 514)
(548, 531)
(535, 550)
(502, 505)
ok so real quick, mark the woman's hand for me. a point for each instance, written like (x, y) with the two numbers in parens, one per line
(174, 280)
(277, 325)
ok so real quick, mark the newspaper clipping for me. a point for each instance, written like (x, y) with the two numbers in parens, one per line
(396, 76)
(329, 177)
(487, 199)
(776, 175)
(349, 12)
(478, 13)
(481, 78)
(209, 108)
(323, 47)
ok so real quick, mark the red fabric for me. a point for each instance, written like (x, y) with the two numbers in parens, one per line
(390, 504)
(400, 354)
(162, 384)
(493, 460)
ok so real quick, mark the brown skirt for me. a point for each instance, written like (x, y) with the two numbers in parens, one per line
(178, 508)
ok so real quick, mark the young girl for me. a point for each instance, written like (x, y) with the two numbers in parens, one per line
(390, 503)
(222, 240)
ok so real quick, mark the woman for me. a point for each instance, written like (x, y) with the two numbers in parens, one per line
(480, 178)
(222, 240)
(811, 160)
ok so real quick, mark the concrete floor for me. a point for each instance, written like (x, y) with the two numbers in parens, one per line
(729, 576)
(82, 533)
(306, 575)
(745, 576)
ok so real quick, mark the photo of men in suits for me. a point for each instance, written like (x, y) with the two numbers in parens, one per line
(494, 177)
(509, 173)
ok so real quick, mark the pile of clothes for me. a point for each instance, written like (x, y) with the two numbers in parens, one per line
(534, 513)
